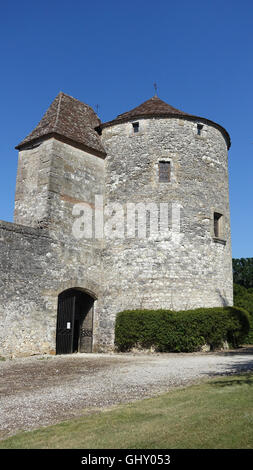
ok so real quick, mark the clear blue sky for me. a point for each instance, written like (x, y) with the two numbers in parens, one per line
(110, 52)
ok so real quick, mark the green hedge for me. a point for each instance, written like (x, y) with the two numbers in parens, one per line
(184, 331)
(243, 298)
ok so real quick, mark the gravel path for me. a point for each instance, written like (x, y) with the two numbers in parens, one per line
(42, 390)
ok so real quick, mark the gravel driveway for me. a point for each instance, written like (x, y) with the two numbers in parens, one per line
(42, 390)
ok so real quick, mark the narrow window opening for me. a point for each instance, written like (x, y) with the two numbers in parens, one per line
(98, 130)
(199, 128)
(217, 224)
(136, 127)
(164, 172)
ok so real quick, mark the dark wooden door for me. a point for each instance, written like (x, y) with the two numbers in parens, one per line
(65, 323)
(74, 329)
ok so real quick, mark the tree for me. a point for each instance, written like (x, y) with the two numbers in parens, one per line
(243, 272)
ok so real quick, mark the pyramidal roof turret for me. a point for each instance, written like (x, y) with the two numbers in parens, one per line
(155, 107)
(69, 120)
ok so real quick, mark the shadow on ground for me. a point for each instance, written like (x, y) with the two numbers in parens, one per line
(246, 379)
(240, 351)
(243, 368)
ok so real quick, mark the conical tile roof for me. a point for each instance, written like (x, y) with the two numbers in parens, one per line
(152, 107)
(155, 107)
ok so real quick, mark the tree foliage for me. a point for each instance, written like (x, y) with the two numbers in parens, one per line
(243, 298)
(243, 288)
(243, 272)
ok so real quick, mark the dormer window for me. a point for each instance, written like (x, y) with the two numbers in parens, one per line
(136, 127)
(199, 128)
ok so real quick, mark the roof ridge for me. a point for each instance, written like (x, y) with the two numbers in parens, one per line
(77, 100)
(58, 112)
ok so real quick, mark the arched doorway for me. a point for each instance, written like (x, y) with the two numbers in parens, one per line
(74, 322)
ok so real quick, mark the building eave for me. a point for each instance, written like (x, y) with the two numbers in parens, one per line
(188, 117)
(61, 138)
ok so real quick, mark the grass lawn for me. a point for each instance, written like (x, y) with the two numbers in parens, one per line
(211, 415)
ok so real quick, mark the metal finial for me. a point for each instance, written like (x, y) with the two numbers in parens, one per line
(97, 107)
(155, 87)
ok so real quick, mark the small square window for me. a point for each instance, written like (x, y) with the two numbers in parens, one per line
(164, 172)
(217, 220)
(136, 127)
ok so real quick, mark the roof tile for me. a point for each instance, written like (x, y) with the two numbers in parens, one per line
(155, 107)
(68, 118)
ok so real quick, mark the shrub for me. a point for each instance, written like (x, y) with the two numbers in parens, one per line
(243, 298)
(184, 331)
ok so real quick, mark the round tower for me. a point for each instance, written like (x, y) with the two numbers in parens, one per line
(166, 174)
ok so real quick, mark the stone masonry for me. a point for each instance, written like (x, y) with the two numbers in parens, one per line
(72, 166)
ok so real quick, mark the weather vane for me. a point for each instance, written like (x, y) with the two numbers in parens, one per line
(155, 87)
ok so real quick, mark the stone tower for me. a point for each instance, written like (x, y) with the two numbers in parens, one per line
(193, 269)
(148, 192)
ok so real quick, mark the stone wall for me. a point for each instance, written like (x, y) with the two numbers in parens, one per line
(51, 178)
(24, 254)
(41, 256)
(194, 270)
(40, 261)
(35, 269)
